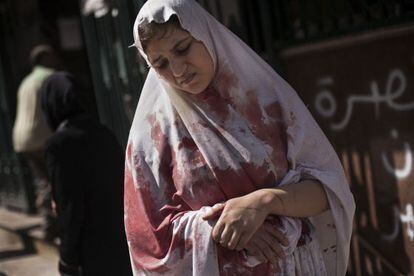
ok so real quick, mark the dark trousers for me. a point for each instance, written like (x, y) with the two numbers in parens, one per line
(43, 191)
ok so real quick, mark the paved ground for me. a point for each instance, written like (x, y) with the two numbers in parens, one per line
(22, 251)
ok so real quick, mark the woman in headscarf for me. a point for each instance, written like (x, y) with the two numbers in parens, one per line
(227, 173)
(85, 167)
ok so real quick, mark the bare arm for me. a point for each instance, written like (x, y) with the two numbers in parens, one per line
(303, 199)
(241, 217)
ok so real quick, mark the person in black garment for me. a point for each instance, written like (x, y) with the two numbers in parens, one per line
(85, 166)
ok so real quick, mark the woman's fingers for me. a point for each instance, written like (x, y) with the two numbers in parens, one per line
(267, 252)
(214, 211)
(268, 238)
(234, 241)
(244, 239)
(281, 238)
(228, 237)
(217, 232)
(225, 236)
(253, 250)
(274, 244)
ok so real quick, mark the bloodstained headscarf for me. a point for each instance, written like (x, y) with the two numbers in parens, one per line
(248, 130)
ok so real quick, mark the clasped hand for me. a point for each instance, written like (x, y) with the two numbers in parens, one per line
(242, 225)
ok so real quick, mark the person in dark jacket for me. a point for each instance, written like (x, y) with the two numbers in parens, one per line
(85, 166)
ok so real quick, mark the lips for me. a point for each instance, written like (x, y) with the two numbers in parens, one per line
(188, 79)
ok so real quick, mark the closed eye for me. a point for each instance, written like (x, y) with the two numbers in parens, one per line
(182, 51)
(161, 65)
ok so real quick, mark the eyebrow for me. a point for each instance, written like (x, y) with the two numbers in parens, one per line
(179, 42)
(172, 49)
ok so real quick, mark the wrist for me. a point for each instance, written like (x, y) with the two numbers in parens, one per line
(271, 201)
(266, 198)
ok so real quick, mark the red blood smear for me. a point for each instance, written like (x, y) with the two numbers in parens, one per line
(148, 224)
(218, 98)
(261, 176)
(252, 110)
(206, 94)
(232, 263)
(226, 81)
(144, 246)
(187, 143)
(156, 133)
(305, 234)
(179, 243)
(217, 106)
(272, 133)
(197, 177)
(234, 183)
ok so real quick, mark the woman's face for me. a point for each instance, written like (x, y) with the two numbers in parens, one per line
(181, 60)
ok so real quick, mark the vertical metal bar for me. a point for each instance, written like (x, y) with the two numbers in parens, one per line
(93, 49)
(124, 25)
(267, 26)
(206, 5)
(219, 11)
(243, 16)
(255, 30)
(5, 120)
(279, 9)
(303, 18)
(138, 4)
(114, 107)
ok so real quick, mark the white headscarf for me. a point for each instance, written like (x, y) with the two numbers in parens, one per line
(248, 130)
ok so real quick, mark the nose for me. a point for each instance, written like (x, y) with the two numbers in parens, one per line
(178, 68)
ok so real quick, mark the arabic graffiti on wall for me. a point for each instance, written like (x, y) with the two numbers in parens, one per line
(389, 97)
(362, 95)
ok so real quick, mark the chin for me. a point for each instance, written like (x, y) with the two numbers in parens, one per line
(197, 89)
(195, 92)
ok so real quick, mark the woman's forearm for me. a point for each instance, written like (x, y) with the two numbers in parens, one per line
(303, 199)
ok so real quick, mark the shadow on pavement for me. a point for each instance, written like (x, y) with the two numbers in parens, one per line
(27, 242)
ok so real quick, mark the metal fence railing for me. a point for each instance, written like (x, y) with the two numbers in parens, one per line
(268, 25)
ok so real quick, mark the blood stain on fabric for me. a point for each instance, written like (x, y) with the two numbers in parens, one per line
(226, 81)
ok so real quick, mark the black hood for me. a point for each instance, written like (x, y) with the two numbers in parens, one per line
(62, 99)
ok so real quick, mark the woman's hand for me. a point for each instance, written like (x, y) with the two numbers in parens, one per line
(240, 218)
(265, 244)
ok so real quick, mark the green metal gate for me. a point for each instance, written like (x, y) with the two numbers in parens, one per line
(15, 189)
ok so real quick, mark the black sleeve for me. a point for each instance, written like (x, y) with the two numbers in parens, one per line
(65, 174)
(68, 270)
